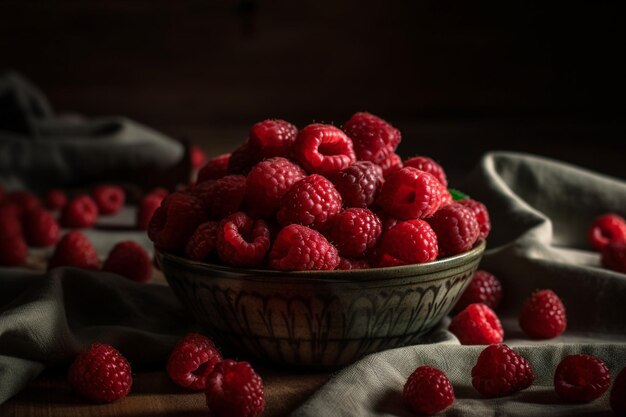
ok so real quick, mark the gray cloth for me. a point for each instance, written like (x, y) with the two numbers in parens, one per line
(540, 212)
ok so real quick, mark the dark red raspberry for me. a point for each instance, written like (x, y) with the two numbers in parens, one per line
(25, 200)
(233, 389)
(346, 264)
(80, 212)
(410, 194)
(74, 249)
(581, 378)
(543, 315)
(198, 157)
(605, 229)
(410, 242)
(323, 149)
(618, 394)
(129, 260)
(484, 288)
(614, 256)
(147, 206)
(271, 138)
(40, 228)
(101, 374)
(501, 371)
(392, 164)
(13, 250)
(109, 198)
(55, 199)
(203, 241)
(298, 248)
(221, 197)
(359, 183)
(268, 182)
(313, 201)
(481, 213)
(214, 169)
(427, 391)
(175, 220)
(243, 158)
(424, 163)
(354, 231)
(374, 139)
(456, 228)
(477, 324)
(192, 360)
(10, 220)
(242, 241)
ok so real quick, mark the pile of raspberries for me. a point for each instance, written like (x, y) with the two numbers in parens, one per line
(321, 198)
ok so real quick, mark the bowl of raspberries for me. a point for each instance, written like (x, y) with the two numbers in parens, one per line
(317, 246)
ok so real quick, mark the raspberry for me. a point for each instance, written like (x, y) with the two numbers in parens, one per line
(426, 164)
(40, 228)
(175, 221)
(481, 214)
(354, 231)
(347, 264)
(214, 169)
(410, 242)
(323, 149)
(233, 389)
(147, 206)
(203, 241)
(581, 378)
(410, 194)
(271, 138)
(618, 394)
(109, 198)
(10, 220)
(543, 315)
(313, 201)
(101, 374)
(221, 197)
(298, 248)
(484, 288)
(192, 360)
(129, 260)
(606, 229)
(427, 391)
(501, 371)
(390, 165)
(614, 256)
(242, 241)
(74, 249)
(477, 324)
(242, 159)
(80, 212)
(456, 228)
(374, 139)
(268, 182)
(198, 157)
(359, 183)
(13, 250)
(55, 199)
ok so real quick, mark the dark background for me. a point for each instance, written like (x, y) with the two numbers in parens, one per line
(457, 80)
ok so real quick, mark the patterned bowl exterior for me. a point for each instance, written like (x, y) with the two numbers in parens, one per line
(319, 319)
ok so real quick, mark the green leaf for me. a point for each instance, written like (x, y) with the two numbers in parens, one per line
(457, 195)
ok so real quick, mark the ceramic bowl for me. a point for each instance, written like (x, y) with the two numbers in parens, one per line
(319, 318)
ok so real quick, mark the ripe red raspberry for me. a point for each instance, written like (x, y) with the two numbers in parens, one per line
(410, 194)
(354, 231)
(243, 158)
(175, 221)
(129, 260)
(374, 139)
(410, 242)
(268, 182)
(203, 241)
(101, 374)
(313, 201)
(618, 394)
(74, 249)
(392, 164)
(543, 315)
(221, 197)
(424, 163)
(484, 288)
(40, 228)
(80, 212)
(192, 360)
(242, 241)
(614, 256)
(359, 183)
(427, 391)
(109, 198)
(214, 169)
(10, 220)
(501, 371)
(456, 228)
(198, 157)
(298, 248)
(346, 264)
(323, 149)
(605, 229)
(581, 378)
(271, 138)
(147, 206)
(481, 213)
(477, 325)
(233, 389)
(13, 250)
(55, 199)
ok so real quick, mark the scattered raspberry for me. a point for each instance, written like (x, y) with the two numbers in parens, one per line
(242, 159)
(428, 391)
(481, 213)
(80, 212)
(581, 378)
(298, 248)
(233, 389)
(55, 199)
(614, 256)
(129, 260)
(10, 223)
(192, 360)
(359, 183)
(13, 250)
(410, 194)
(215, 168)
(323, 149)
(355, 231)
(392, 164)
(198, 157)
(74, 249)
(108, 198)
(424, 163)
(605, 229)
(40, 228)
(313, 201)
(221, 197)
(242, 241)
(374, 139)
(410, 242)
(501, 371)
(618, 394)
(484, 288)
(456, 228)
(101, 374)
(23, 199)
(477, 325)
(147, 206)
(175, 221)
(543, 315)
(271, 138)
(202, 242)
(346, 264)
